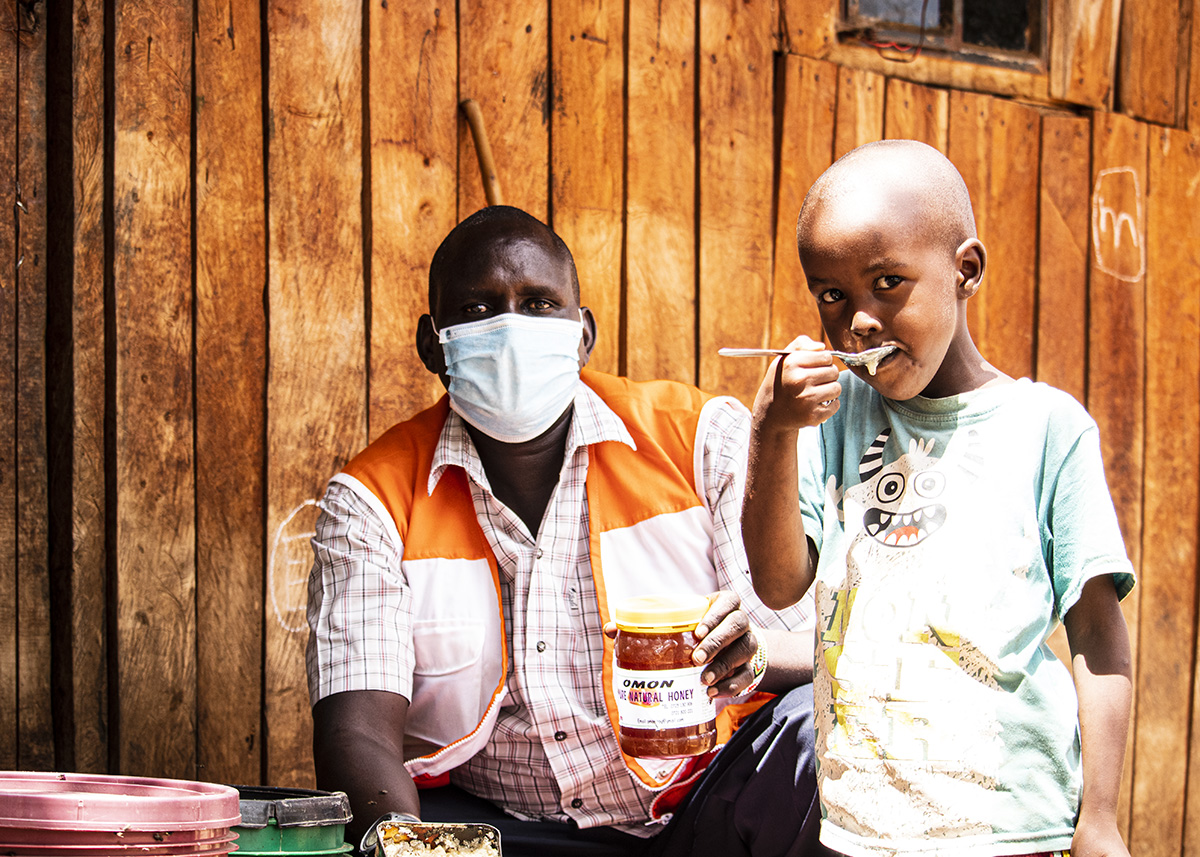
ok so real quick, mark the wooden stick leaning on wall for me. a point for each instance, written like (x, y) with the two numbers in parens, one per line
(483, 150)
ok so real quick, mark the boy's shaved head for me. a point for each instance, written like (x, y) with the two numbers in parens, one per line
(904, 172)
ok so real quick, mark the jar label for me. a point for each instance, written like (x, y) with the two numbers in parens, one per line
(661, 699)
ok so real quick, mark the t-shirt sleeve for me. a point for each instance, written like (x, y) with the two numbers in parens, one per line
(359, 604)
(1084, 535)
(810, 465)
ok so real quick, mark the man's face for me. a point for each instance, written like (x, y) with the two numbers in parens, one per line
(510, 274)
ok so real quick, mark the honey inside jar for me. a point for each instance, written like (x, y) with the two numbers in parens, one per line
(664, 711)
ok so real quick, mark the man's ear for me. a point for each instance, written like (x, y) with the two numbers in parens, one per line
(970, 261)
(428, 347)
(589, 335)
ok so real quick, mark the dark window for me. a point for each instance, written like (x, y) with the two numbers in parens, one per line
(1002, 32)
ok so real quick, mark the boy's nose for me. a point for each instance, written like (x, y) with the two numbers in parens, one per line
(863, 323)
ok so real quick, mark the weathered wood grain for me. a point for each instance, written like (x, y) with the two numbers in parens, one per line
(860, 99)
(316, 381)
(994, 144)
(1116, 344)
(155, 501)
(9, 695)
(36, 750)
(503, 63)
(1063, 196)
(1193, 89)
(414, 187)
(808, 28)
(915, 112)
(231, 370)
(805, 151)
(736, 174)
(1171, 515)
(1083, 51)
(660, 219)
(1151, 73)
(587, 156)
(87, 744)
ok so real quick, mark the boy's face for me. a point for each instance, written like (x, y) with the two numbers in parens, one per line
(881, 276)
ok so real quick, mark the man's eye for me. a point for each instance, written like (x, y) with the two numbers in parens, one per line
(830, 296)
(540, 305)
(475, 309)
(890, 281)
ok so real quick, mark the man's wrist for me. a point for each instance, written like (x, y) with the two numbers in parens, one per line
(757, 664)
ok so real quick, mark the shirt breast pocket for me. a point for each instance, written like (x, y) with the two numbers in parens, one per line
(451, 691)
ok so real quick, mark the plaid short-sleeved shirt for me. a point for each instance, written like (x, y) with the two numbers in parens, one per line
(552, 754)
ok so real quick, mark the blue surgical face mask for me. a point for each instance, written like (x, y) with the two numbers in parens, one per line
(511, 376)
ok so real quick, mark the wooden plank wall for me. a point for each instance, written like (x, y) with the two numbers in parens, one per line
(253, 192)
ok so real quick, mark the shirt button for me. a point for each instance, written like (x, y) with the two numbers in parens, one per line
(560, 736)
(539, 553)
(541, 645)
(577, 803)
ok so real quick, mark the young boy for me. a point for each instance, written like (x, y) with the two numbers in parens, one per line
(950, 516)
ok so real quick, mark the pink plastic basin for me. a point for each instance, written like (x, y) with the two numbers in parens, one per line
(97, 802)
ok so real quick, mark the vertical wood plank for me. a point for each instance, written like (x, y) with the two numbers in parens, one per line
(9, 696)
(736, 174)
(1116, 347)
(230, 385)
(860, 99)
(414, 175)
(1150, 68)
(1169, 554)
(1168, 573)
(155, 505)
(87, 748)
(660, 153)
(587, 155)
(1083, 50)
(36, 750)
(808, 27)
(806, 150)
(1193, 86)
(1063, 253)
(316, 382)
(915, 112)
(994, 144)
(503, 63)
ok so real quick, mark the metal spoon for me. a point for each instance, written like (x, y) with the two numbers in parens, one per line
(869, 358)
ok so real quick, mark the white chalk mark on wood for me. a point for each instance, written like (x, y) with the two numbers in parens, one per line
(1117, 224)
(287, 572)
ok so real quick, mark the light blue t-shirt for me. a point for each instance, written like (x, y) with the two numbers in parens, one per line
(954, 534)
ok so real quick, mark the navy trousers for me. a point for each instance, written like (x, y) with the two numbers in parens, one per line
(757, 799)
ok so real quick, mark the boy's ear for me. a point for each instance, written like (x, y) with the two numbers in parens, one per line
(970, 261)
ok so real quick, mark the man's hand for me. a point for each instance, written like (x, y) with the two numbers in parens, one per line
(726, 645)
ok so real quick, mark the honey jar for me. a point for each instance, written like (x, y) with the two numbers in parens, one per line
(663, 709)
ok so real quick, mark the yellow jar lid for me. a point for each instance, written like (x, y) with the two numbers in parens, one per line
(657, 612)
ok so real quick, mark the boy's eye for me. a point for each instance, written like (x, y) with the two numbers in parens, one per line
(890, 281)
(829, 296)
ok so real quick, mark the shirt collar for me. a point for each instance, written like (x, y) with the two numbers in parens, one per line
(593, 422)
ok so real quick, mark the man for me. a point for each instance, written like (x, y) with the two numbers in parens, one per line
(467, 563)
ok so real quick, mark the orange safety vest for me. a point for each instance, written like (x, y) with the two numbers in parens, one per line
(647, 512)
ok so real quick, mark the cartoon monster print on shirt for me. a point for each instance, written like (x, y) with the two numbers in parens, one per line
(893, 636)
